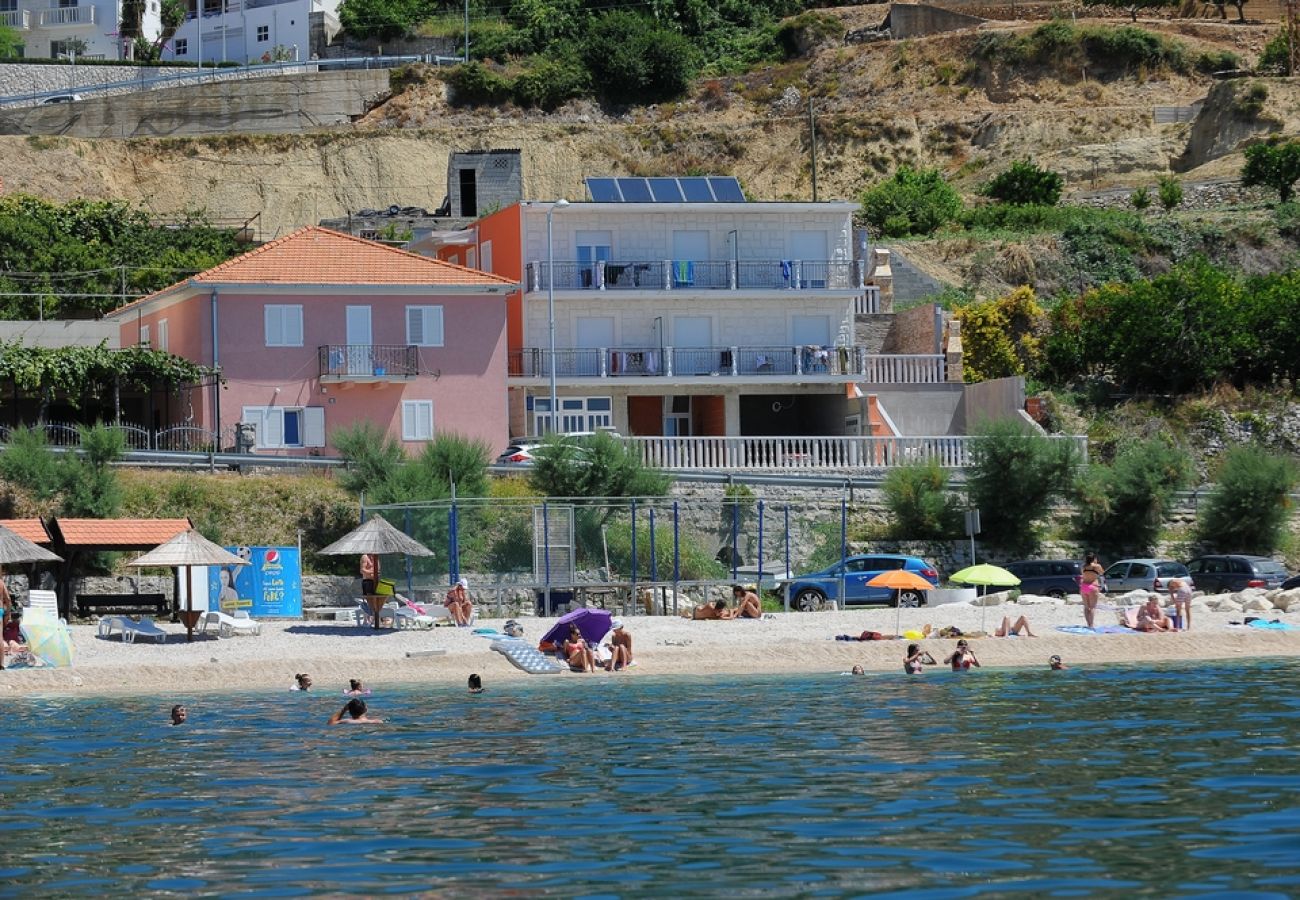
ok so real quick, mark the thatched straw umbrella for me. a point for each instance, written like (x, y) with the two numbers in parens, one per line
(375, 536)
(189, 548)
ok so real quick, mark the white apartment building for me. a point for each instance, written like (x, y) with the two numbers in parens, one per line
(251, 31)
(53, 28)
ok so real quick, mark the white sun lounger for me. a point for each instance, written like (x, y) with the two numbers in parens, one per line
(130, 630)
(228, 625)
(46, 600)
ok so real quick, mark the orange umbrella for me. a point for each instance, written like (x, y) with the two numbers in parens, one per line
(901, 580)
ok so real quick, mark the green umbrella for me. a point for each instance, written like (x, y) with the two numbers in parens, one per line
(987, 575)
(47, 638)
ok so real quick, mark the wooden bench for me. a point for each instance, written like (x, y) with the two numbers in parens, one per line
(158, 604)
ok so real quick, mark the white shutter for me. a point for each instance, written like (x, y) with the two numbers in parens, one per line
(144, 335)
(162, 334)
(293, 326)
(486, 261)
(424, 326)
(255, 416)
(313, 426)
(415, 325)
(273, 428)
(274, 327)
(417, 420)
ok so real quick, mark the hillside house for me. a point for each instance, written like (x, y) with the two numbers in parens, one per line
(50, 29)
(319, 330)
(252, 31)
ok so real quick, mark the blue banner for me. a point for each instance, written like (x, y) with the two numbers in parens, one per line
(271, 586)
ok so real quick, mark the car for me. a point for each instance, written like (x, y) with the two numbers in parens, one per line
(519, 453)
(1150, 575)
(1291, 583)
(1047, 577)
(1223, 574)
(62, 98)
(808, 592)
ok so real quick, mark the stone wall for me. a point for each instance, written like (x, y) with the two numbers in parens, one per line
(1203, 195)
(913, 331)
(18, 81)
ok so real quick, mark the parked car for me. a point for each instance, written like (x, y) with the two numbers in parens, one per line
(519, 453)
(1291, 583)
(1151, 575)
(1232, 572)
(808, 592)
(62, 98)
(1047, 577)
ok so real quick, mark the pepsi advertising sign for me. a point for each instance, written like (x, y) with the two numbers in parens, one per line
(269, 587)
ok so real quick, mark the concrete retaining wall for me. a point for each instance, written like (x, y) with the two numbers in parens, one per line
(909, 20)
(21, 80)
(284, 104)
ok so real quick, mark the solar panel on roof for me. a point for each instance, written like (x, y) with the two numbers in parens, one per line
(665, 190)
(635, 190)
(727, 190)
(603, 190)
(696, 190)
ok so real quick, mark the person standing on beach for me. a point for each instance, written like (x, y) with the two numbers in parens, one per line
(1090, 587)
(1181, 594)
(369, 573)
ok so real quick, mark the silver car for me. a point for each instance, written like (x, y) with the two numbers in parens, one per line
(1151, 575)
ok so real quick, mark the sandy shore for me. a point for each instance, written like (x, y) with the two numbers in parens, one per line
(794, 642)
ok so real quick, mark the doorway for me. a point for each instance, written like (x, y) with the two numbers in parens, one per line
(360, 338)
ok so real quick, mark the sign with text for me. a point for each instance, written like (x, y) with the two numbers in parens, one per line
(271, 586)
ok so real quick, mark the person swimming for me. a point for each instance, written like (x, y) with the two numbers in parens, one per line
(1054, 663)
(356, 708)
(355, 688)
(301, 682)
(857, 670)
(962, 658)
(179, 714)
(913, 663)
(475, 684)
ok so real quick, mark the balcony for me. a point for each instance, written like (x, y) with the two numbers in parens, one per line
(753, 363)
(368, 363)
(17, 19)
(60, 16)
(706, 275)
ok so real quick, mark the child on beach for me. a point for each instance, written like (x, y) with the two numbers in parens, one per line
(356, 708)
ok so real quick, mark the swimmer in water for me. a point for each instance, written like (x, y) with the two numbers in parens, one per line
(356, 710)
(179, 714)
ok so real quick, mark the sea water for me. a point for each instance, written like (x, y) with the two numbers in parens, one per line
(1170, 780)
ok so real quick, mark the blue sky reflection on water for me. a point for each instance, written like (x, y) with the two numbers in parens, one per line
(1112, 781)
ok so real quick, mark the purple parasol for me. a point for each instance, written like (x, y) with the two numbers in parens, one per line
(593, 623)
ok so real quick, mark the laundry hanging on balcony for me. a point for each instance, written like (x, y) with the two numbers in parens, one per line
(683, 273)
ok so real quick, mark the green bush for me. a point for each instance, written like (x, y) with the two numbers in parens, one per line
(599, 465)
(1215, 61)
(910, 202)
(1169, 191)
(920, 503)
(1273, 164)
(1105, 249)
(1122, 506)
(29, 463)
(804, 33)
(1014, 477)
(1025, 184)
(475, 84)
(696, 564)
(1247, 510)
(1276, 56)
(1140, 198)
(382, 19)
(452, 460)
(551, 82)
(634, 59)
(372, 455)
(1098, 48)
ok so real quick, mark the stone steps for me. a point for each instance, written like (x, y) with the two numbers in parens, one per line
(911, 285)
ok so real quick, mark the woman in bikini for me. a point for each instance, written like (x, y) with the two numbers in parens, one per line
(1090, 587)
(962, 658)
(576, 651)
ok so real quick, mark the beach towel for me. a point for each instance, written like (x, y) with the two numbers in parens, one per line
(1271, 626)
(1100, 629)
(684, 272)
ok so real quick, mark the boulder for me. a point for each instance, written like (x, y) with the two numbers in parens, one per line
(1257, 604)
(1074, 599)
(1200, 606)
(993, 599)
(1227, 604)
(1288, 601)
(1036, 600)
(1131, 598)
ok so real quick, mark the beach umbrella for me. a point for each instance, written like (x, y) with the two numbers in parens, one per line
(375, 537)
(189, 548)
(985, 575)
(900, 580)
(593, 624)
(14, 548)
(47, 638)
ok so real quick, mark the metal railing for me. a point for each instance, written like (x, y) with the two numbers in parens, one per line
(344, 361)
(739, 453)
(56, 16)
(730, 362)
(17, 19)
(683, 275)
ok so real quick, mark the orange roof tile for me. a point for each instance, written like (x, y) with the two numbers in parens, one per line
(31, 529)
(122, 534)
(315, 255)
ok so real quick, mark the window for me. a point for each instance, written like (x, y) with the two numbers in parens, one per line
(162, 334)
(576, 413)
(486, 253)
(424, 326)
(144, 335)
(471, 258)
(369, 234)
(417, 420)
(278, 427)
(263, 33)
(283, 325)
(8, 5)
(593, 247)
(182, 47)
(468, 193)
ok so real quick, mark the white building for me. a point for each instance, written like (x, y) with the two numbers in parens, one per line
(251, 31)
(52, 28)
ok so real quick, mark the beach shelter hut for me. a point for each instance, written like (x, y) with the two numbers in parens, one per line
(189, 548)
(16, 549)
(375, 537)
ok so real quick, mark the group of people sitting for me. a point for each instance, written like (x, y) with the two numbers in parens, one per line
(747, 606)
(612, 657)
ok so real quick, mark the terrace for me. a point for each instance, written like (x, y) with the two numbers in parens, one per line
(695, 275)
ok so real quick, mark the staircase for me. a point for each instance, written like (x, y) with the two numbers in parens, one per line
(911, 285)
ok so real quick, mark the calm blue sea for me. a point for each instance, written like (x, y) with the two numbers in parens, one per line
(1156, 781)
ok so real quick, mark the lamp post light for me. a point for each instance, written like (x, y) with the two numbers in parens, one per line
(550, 304)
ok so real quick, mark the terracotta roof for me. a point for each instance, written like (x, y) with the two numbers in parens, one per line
(315, 256)
(119, 534)
(31, 529)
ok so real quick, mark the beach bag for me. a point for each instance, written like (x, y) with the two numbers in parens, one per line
(871, 636)
(513, 628)
(385, 588)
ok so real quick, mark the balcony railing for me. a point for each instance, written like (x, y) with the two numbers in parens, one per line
(368, 362)
(730, 362)
(694, 275)
(17, 19)
(738, 453)
(67, 15)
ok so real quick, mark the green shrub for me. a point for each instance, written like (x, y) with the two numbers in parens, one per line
(1013, 479)
(1247, 510)
(804, 33)
(1000, 337)
(382, 19)
(1276, 57)
(475, 84)
(1025, 184)
(1122, 506)
(1274, 164)
(1098, 48)
(910, 202)
(1286, 216)
(29, 463)
(1169, 191)
(1215, 61)
(1140, 198)
(372, 455)
(453, 460)
(634, 59)
(551, 82)
(920, 503)
(695, 561)
(596, 466)
(1250, 102)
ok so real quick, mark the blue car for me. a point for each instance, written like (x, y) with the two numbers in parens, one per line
(811, 591)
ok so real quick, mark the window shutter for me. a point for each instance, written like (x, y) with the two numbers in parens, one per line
(254, 415)
(162, 334)
(426, 420)
(293, 327)
(273, 427)
(144, 335)
(415, 325)
(274, 329)
(313, 426)
(433, 326)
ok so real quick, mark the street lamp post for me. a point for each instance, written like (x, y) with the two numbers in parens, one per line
(550, 305)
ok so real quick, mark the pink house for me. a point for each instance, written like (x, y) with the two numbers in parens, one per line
(319, 330)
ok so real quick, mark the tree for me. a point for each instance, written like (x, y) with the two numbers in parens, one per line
(634, 59)
(921, 505)
(373, 457)
(912, 201)
(1000, 337)
(1169, 191)
(10, 42)
(1140, 198)
(1133, 6)
(599, 465)
(1025, 184)
(382, 19)
(1273, 164)
(1222, 7)
(172, 15)
(1014, 476)
(1123, 505)
(90, 486)
(1248, 509)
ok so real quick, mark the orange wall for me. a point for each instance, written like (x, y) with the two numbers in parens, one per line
(708, 415)
(504, 228)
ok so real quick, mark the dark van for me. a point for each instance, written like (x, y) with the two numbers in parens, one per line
(1047, 577)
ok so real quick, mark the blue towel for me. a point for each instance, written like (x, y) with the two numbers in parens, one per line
(1100, 629)
(787, 269)
(1271, 626)
(684, 272)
